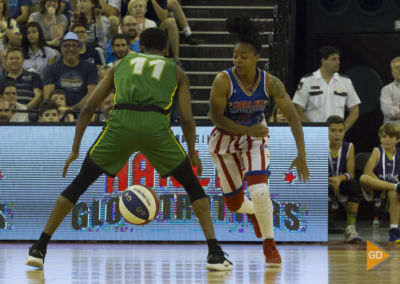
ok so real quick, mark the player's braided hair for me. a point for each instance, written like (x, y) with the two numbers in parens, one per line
(246, 30)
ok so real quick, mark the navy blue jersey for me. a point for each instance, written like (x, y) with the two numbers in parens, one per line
(338, 165)
(388, 169)
(247, 107)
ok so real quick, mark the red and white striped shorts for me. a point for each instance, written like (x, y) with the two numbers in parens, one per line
(236, 155)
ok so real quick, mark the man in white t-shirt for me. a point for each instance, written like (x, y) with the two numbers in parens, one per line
(326, 92)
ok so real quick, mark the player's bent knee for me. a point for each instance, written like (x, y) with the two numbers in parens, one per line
(260, 194)
(234, 202)
(185, 176)
(364, 180)
(88, 174)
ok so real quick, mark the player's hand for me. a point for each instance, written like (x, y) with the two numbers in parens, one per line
(196, 163)
(258, 130)
(72, 157)
(302, 169)
(334, 183)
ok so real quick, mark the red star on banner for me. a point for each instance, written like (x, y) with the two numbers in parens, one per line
(289, 177)
(1, 175)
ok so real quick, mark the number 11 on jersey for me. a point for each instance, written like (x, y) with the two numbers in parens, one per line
(139, 63)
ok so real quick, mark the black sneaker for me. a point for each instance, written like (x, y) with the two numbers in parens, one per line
(217, 261)
(36, 256)
(398, 188)
(190, 40)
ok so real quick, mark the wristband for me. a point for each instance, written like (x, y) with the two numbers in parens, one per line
(348, 176)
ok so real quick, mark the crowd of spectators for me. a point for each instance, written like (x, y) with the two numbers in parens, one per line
(58, 49)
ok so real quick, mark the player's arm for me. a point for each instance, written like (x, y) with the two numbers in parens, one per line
(300, 112)
(371, 164)
(282, 99)
(218, 99)
(91, 104)
(188, 124)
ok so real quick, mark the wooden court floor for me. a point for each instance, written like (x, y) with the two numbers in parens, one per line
(78, 263)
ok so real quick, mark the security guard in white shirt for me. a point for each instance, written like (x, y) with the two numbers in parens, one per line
(326, 92)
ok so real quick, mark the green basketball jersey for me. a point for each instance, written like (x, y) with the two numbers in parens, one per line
(145, 79)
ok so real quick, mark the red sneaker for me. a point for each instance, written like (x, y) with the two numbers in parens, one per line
(272, 257)
(256, 227)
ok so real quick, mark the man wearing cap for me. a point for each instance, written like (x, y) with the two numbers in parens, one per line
(77, 78)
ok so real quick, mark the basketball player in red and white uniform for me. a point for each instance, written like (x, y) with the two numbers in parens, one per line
(239, 143)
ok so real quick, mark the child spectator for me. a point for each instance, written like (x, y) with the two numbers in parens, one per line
(58, 96)
(382, 173)
(48, 112)
(36, 52)
(341, 182)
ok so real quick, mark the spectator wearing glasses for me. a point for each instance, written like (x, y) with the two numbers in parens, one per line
(98, 25)
(129, 29)
(9, 92)
(87, 53)
(78, 79)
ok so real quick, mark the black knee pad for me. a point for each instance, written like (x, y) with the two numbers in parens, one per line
(88, 174)
(185, 176)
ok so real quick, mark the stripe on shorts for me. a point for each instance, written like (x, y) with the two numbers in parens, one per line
(226, 172)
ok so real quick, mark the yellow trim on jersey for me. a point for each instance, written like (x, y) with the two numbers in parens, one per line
(176, 141)
(172, 98)
(248, 93)
(98, 140)
(116, 90)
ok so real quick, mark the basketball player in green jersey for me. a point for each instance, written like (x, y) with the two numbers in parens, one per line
(145, 84)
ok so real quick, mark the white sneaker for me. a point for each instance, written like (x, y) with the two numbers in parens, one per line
(351, 235)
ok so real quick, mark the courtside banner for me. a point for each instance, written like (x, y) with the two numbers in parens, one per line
(32, 159)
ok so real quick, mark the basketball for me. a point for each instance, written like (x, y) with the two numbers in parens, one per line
(139, 204)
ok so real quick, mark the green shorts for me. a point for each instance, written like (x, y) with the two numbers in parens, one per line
(128, 132)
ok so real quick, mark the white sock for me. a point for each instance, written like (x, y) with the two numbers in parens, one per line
(394, 226)
(263, 209)
(187, 31)
(247, 206)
